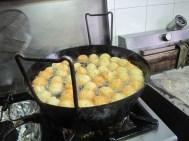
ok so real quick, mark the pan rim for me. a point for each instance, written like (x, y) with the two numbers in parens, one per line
(98, 106)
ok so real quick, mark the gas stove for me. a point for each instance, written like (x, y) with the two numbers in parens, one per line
(141, 124)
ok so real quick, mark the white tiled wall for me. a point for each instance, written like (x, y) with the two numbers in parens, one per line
(133, 16)
(158, 16)
(130, 20)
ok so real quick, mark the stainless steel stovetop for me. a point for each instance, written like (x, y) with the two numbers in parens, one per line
(162, 133)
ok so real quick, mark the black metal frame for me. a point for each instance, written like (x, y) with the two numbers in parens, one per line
(6, 105)
(18, 58)
(110, 37)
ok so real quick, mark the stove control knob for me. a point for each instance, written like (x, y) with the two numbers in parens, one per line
(166, 37)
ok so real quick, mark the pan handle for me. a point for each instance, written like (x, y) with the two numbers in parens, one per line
(18, 58)
(109, 30)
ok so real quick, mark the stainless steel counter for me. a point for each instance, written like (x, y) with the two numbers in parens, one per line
(163, 133)
(174, 86)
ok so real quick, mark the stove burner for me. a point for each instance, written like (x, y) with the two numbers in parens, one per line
(138, 122)
(4, 128)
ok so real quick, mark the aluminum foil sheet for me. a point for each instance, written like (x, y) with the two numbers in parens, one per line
(29, 131)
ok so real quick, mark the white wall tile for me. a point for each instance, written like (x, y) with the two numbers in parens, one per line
(155, 2)
(158, 16)
(131, 16)
(130, 20)
(110, 4)
(182, 9)
(177, 1)
(129, 3)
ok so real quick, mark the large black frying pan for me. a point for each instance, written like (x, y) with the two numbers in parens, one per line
(89, 117)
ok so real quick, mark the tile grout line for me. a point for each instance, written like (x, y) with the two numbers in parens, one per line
(114, 23)
(174, 8)
(149, 5)
(161, 4)
(182, 1)
(143, 6)
(146, 15)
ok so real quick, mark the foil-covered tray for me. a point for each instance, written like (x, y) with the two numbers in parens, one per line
(28, 131)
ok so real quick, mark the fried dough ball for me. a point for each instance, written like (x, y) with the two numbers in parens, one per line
(60, 66)
(118, 96)
(68, 79)
(68, 85)
(39, 81)
(56, 65)
(77, 65)
(137, 77)
(93, 58)
(98, 80)
(123, 62)
(114, 59)
(101, 100)
(106, 91)
(103, 62)
(136, 74)
(116, 84)
(44, 96)
(121, 69)
(86, 94)
(65, 62)
(53, 101)
(66, 103)
(55, 88)
(83, 58)
(103, 69)
(109, 76)
(113, 66)
(65, 67)
(123, 76)
(105, 56)
(128, 90)
(82, 79)
(38, 89)
(85, 103)
(93, 73)
(56, 79)
(90, 86)
(130, 65)
(112, 78)
(47, 73)
(67, 93)
(81, 70)
(91, 67)
(135, 71)
(95, 61)
(137, 84)
(61, 73)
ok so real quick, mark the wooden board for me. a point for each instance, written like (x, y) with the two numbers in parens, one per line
(162, 61)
